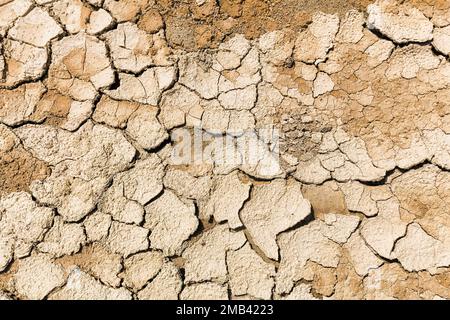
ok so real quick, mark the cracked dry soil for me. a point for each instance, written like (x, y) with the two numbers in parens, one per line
(353, 203)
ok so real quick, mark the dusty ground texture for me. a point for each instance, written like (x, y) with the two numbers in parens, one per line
(94, 93)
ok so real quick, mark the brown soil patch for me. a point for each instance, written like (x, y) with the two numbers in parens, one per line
(54, 108)
(18, 168)
(325, 199)
(190, 26)
(6, 277)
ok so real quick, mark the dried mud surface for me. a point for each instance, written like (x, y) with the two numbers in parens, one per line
(346, 197)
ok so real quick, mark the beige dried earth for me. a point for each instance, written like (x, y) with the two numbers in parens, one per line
(350, 201)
